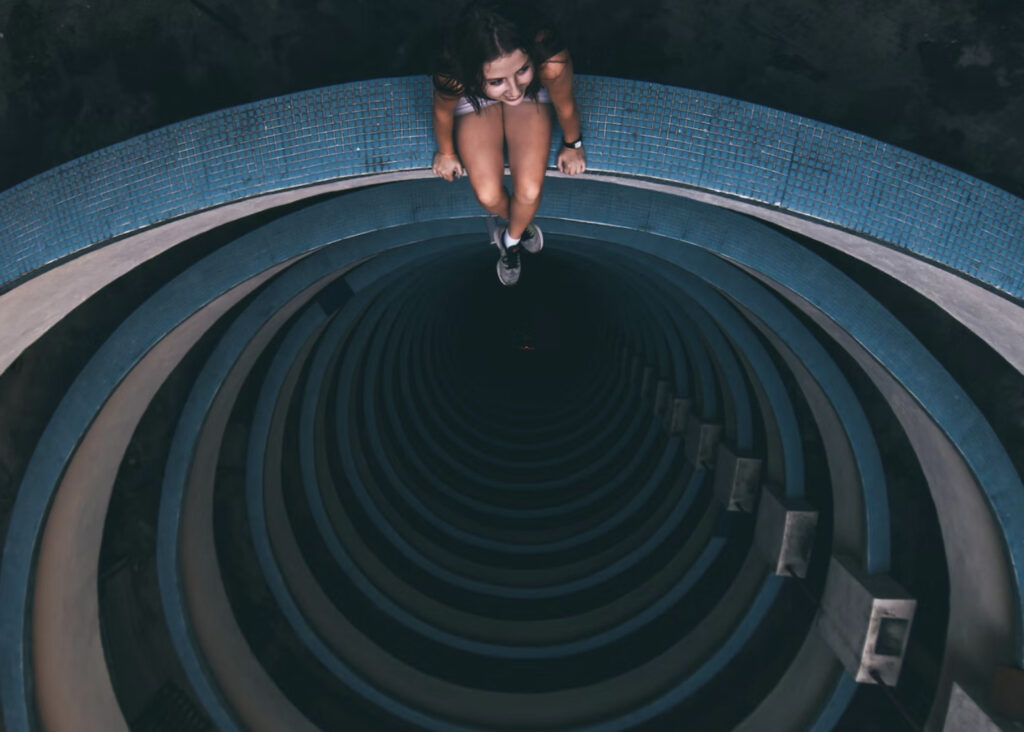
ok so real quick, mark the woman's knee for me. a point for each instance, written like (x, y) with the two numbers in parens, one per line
(528, 191)
(490, 194)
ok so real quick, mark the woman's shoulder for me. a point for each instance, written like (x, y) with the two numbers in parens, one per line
(444, 73)
(548, 42)
(447, 85)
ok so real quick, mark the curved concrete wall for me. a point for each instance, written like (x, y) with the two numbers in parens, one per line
(699, 310)
(801, 172)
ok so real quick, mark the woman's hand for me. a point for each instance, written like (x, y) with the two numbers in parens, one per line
(572, 161)
(448, 167)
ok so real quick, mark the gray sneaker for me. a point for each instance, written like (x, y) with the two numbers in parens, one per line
(532, 239)
(508, 266)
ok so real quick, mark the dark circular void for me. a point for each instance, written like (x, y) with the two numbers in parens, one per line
(474, 499)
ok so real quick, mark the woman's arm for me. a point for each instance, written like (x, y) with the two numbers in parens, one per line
(446, 162)
(556, 76)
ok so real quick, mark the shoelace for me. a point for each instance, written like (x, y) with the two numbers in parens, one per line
(511, 258)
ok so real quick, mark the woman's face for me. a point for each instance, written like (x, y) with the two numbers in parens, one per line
(506, 77)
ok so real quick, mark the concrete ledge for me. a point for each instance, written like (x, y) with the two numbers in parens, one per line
(785, 532)
(676, 415)
(736, 477)
(701, 438)
(662, 397)
(866, 619)
(702, 306)
(964, 714)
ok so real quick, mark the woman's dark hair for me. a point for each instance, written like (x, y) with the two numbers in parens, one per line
(485, 30)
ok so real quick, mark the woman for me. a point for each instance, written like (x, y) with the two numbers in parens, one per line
(501, 69)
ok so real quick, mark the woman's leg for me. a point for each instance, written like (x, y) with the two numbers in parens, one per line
(479, 139)
(528, 132)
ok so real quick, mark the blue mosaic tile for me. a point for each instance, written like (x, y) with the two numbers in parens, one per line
(632, 128)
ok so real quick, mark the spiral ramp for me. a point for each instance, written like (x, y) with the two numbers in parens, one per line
(310, 467)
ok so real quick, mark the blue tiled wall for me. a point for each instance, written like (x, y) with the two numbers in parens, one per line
(632, 128)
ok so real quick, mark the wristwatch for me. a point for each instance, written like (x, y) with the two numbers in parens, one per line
(573, 145)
